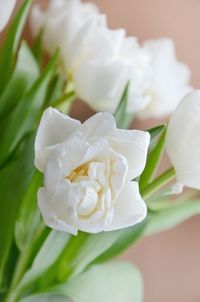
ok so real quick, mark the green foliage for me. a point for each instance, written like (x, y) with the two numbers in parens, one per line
(113, 282)
(153, 158)
(82, 250)
(10, 45)
(25, 73)
(23, 118)
(14, 180)
(122, 117)
(49, 252)
(28, 217)
(172, 214)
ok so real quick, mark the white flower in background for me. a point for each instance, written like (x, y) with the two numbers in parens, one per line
(183, 140)
(169, 82)
(112, 61)
(6, 9)
(88, 172)
(100, 61)
(61, 23)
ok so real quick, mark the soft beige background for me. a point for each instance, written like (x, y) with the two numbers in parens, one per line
(169, 261)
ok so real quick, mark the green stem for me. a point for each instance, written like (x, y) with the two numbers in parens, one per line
(158, 183)
(67, 97)
(21, 267)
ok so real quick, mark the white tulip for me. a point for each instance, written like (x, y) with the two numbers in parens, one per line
(88, 172)
(183, 140)
(100, 61)
(6, 9)
(169, 81)
(62, 23)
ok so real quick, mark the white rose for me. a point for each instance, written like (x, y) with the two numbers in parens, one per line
(88, 172)
(183, 140)
(6, 9)
(100, 61)
(169, 81)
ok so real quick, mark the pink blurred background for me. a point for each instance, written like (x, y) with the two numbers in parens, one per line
(169, 261)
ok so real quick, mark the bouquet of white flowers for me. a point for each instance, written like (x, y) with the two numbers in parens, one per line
(75, 195)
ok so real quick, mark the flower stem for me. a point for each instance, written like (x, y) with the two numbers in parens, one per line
(21, 267)
(158, 183)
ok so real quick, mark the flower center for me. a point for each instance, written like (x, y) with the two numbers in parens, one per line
(79, 171)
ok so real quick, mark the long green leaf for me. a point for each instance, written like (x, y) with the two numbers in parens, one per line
(28, 217)
(153, 160)
(113, 282)
(82, 250)
(9, 47)
(46, 257)
(123, 119)
(24, 75)
(23, 118)
(127, 237)
(14, 180)
(171, 215)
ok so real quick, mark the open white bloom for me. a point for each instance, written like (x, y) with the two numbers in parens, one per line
(88, 172)
(183, 140)
(169, 81)
(6, 8)
(98, 60)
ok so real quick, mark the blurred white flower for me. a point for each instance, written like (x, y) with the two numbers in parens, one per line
(169, 81)
(183, 140)
(100, 61)
(6, 9)
(88, 172)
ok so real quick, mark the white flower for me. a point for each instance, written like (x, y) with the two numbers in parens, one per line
(100, 61)
(183, 140)
(169, 81)
(6, 8)
(88, 172)
(63, 23)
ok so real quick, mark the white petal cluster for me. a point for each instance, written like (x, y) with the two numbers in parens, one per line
(101, 61)
(88, 171)
(169, 81)
(183, 140)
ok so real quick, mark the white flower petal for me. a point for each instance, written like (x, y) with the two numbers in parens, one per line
(169, 81)
(6, 8)
(99, 124)
(54, 128)
(55, 213)
(129, 208)
(101, 83)
(183, 140)
(133, 145)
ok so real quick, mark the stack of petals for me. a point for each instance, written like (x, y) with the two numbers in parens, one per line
(101, 62)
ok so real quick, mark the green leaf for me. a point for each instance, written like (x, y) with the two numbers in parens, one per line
(37, 47)
(123, 119)
(14, 180)
(23, 118)
(46, 298)
(9, 47)
(28, 217)
(111, 282)
(25, 73)
(127, 237)
(55, 91)
(153, 160)
(82, 250)
(172, 215)
(46, 257)
(154, 132)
